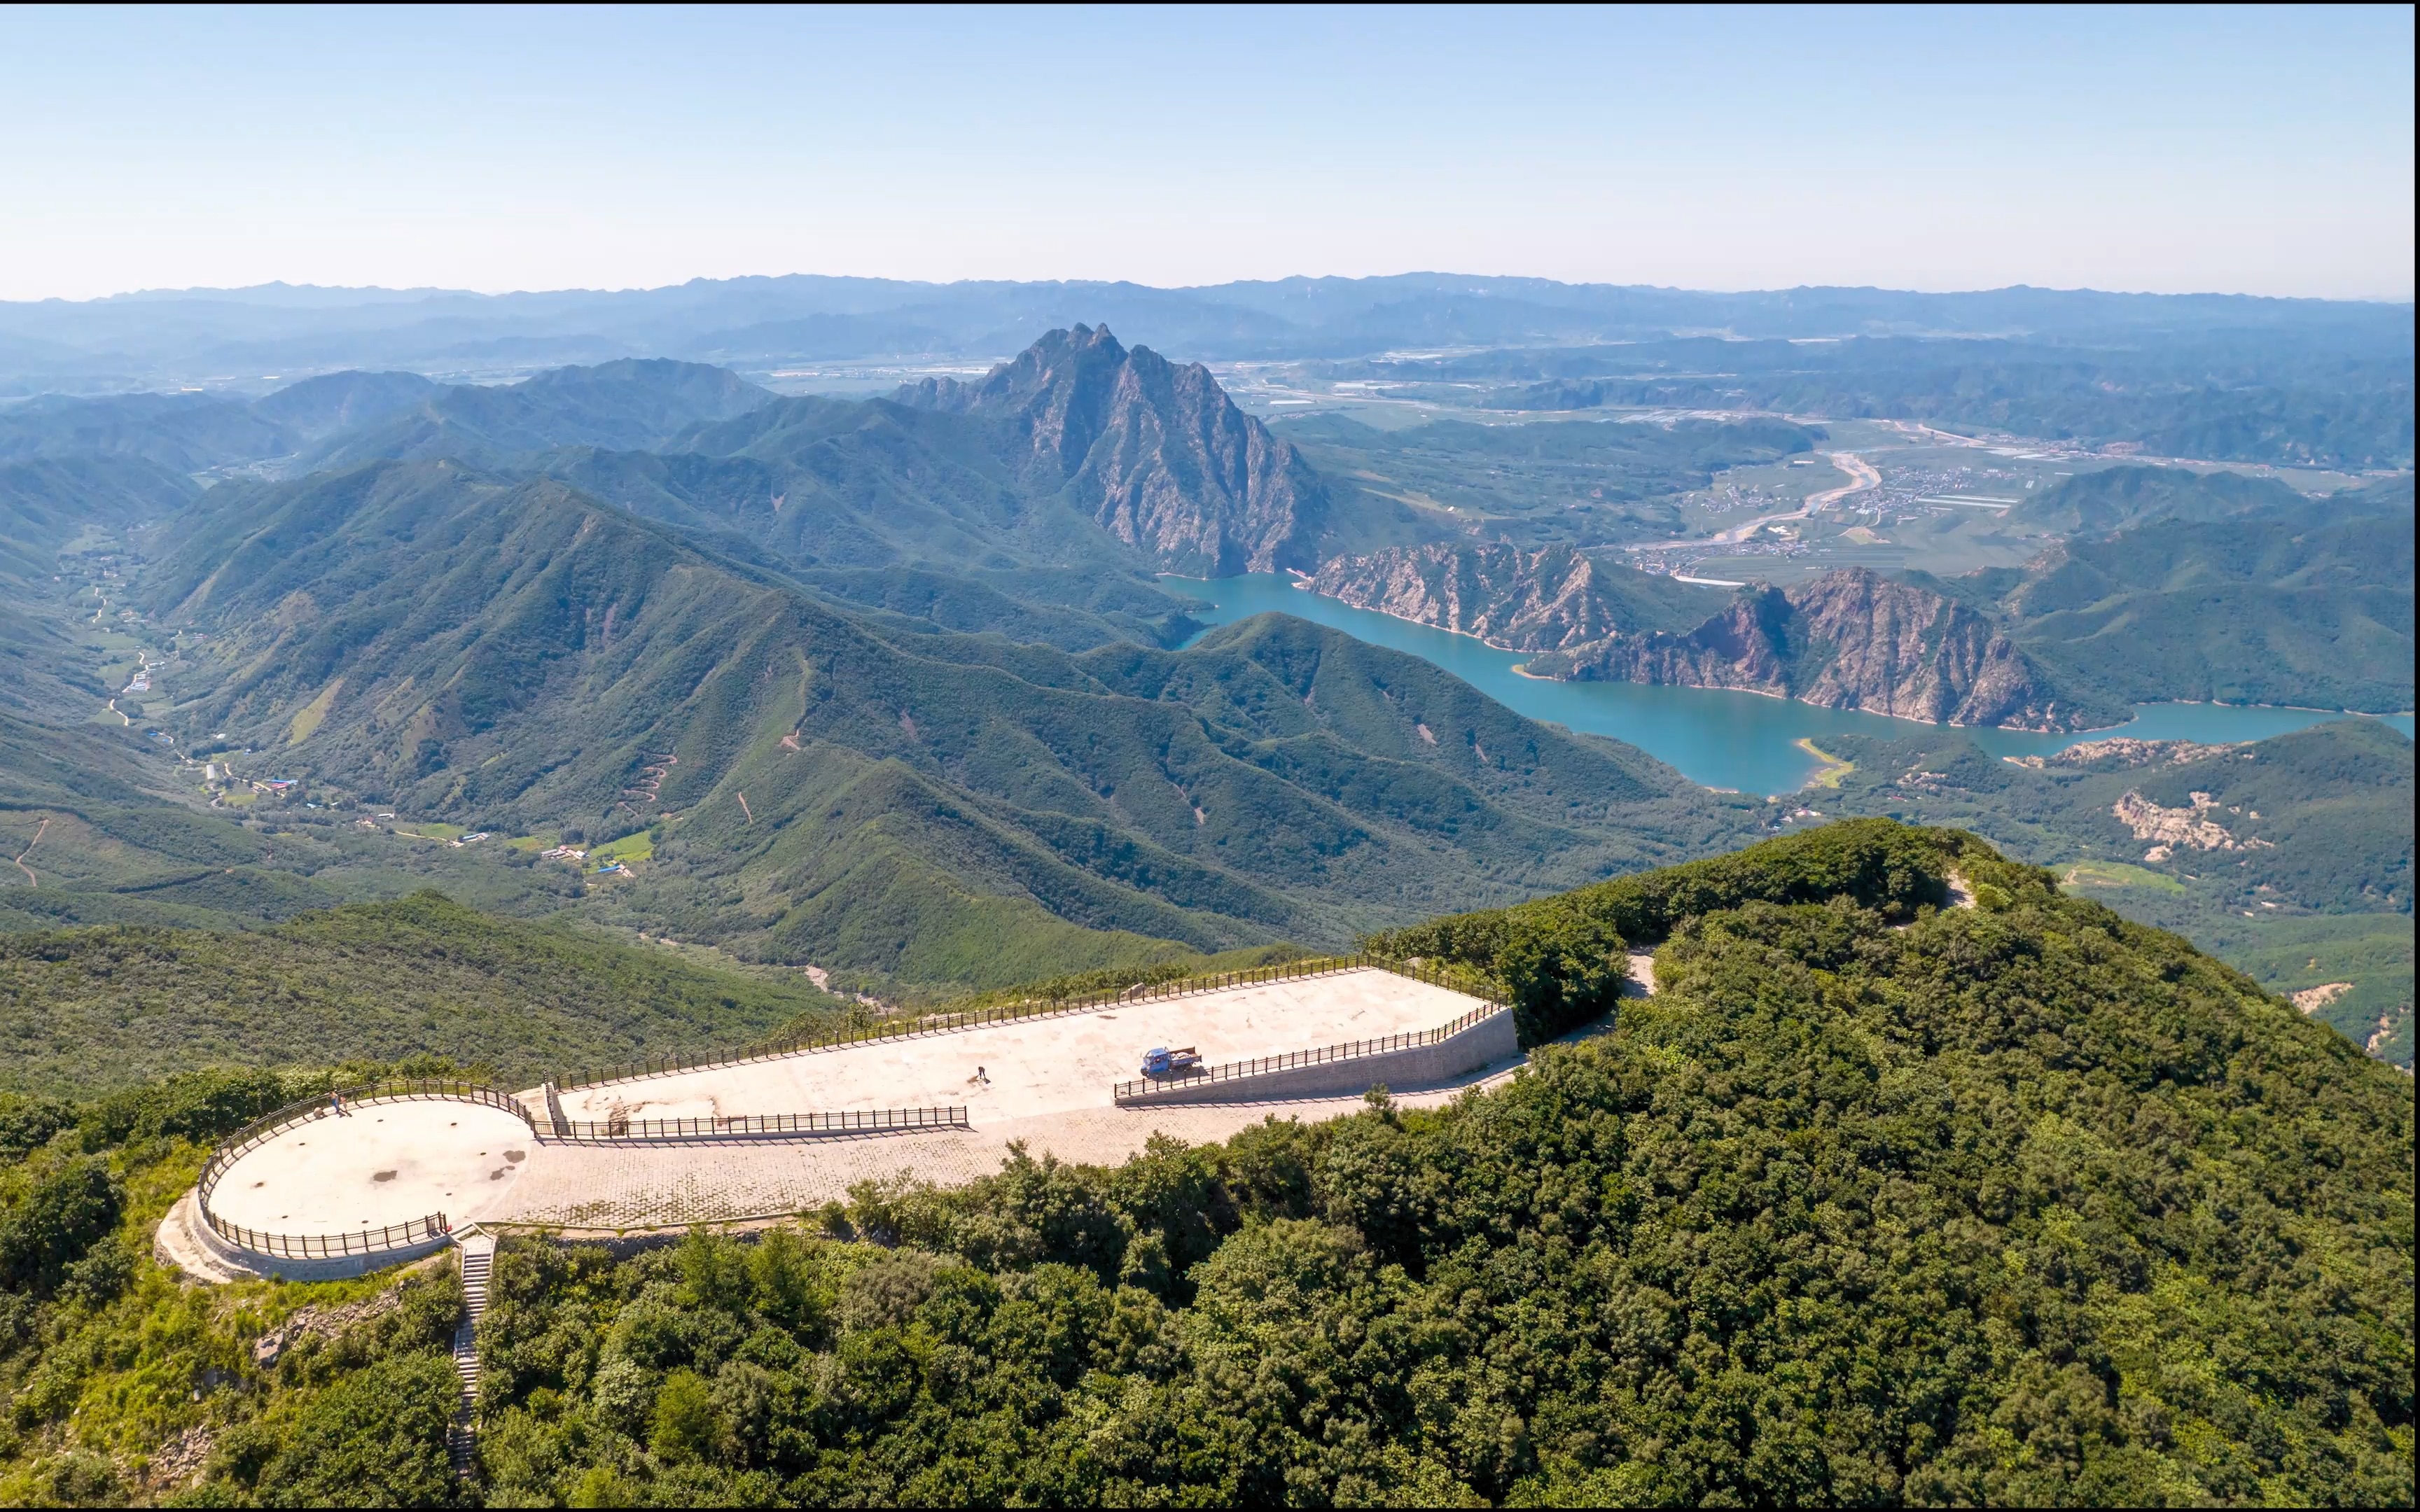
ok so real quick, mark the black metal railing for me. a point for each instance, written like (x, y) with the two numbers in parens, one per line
(874, 1120)
(1356, 1050)
(363, 1241)
(906, 1028)
(331, 1246)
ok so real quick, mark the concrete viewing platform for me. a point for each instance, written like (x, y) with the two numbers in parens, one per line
(382, 1164)
(1045, 1082)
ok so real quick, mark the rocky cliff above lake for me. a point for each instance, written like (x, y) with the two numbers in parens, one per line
(1156, 452)
(1543, 600)
(1850, 639)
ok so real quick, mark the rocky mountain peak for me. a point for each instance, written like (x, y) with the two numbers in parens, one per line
(1156, 452)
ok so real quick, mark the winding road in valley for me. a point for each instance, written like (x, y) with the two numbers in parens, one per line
(31, 880)
(1861, 477)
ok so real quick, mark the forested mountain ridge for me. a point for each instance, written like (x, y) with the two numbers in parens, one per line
(96, 1010)
(1156, 453)
(343, 418)
(832, 483)
(1872, 1202)
(2112, 499)
(181, 432)
(630, 404)
(2308, 603)
(935, 806)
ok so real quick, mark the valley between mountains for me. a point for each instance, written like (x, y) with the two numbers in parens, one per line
(931, 806)
(889, 686)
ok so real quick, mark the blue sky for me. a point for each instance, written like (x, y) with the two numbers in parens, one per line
(2244, 150)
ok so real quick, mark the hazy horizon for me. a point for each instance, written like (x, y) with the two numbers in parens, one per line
(436, 291)
(2241, 151)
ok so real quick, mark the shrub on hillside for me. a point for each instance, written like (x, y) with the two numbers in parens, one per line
(1880, 863)
(1564, 966)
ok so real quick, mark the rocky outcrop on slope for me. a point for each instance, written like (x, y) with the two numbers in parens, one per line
(2121, 752)
(2171, 827)
(1156, 452)
(1544, 600)
(1850, 639)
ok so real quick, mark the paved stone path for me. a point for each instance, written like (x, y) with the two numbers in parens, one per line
(601, 1187)
(1039, 1064)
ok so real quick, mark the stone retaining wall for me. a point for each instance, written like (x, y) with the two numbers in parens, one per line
(1484, 1043)
(332, 1268)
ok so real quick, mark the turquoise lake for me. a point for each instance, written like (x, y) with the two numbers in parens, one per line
(1740, 741)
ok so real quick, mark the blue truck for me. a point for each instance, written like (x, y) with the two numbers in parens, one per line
(1162, 1061)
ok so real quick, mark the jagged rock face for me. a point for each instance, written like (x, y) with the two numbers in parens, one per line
(1156, 453)
(1850, 639)
(1543, 600)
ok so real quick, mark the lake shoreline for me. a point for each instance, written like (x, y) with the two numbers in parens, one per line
(1747, 745)
(1301, 584)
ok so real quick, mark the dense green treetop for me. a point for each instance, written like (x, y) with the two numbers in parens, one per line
(1873, 1201)
(2018, 1204)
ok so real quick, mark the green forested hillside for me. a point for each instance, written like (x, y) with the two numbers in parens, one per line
(59, 513)
(2112, 499)
(830, 482)
(2265, 609)
(1033, 606)
(2306, 603)
(2018, 1204)
(2296, 869)
(47, 502)
(84, 810)
(180, 433)
(934, 808)
(317, 408)
(89, 1011)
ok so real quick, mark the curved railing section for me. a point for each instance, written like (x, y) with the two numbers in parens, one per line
(364, 1241)
(1040, 1007)
(401, 1235)
(761, 1126)
(1354, 1050)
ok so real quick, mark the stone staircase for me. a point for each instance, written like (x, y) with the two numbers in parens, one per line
(478, 1251)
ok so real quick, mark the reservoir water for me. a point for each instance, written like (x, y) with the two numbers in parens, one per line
(1741, 741)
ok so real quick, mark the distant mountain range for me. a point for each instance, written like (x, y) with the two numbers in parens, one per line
(269, 329)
